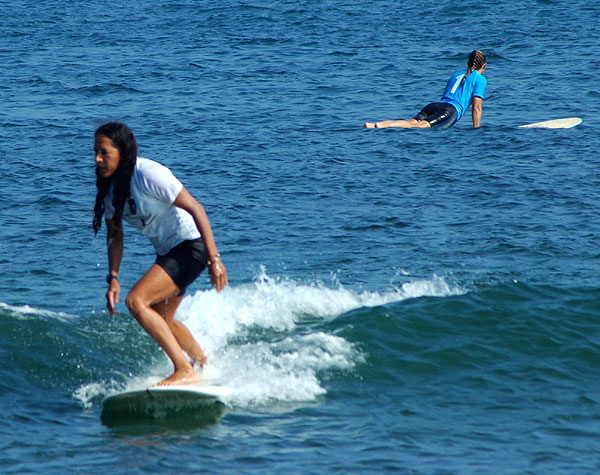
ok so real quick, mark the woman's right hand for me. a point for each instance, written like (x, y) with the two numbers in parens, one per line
(112, 296)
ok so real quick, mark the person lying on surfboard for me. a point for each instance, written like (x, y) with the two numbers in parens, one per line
(464, 88)
(147, 195)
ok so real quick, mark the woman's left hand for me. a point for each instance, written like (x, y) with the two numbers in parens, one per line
(218, 274)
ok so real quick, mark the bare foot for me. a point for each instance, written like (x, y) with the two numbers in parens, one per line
(370, 125)
(180, 377)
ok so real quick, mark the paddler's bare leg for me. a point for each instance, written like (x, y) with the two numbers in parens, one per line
(405, 124)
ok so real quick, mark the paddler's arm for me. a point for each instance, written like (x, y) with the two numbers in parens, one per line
(114, 247)
(218, 273)
(477, 111)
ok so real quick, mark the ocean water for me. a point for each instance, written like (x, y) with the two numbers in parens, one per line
(410, 301)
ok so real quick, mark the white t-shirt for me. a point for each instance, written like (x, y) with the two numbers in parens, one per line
(153, 190)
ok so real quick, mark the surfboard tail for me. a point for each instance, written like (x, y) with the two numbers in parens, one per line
(174, 405)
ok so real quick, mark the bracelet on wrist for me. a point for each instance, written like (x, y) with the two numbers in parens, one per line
(214, 258)
(110, 277)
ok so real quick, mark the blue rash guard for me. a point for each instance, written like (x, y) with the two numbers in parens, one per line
(462, 96)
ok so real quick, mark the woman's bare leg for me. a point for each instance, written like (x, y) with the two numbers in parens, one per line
(405, 124)
(184, 337)
(156, 286)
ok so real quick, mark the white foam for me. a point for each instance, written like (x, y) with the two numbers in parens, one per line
(25, 312)
(261, 341)
(282, 365)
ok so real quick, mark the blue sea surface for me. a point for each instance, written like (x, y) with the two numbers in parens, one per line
(411, 301)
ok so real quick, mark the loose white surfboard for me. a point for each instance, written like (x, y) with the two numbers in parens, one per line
(565, 123)
(203, 403)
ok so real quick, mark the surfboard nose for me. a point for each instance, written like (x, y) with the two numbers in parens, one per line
(565, 123)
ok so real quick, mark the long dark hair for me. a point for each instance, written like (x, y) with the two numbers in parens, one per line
(476, 60)
(123, 139)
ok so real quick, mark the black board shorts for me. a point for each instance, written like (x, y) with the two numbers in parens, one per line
(184, 263)
(438, 114)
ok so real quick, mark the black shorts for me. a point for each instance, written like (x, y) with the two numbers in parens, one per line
(438, 114)
(184, 263)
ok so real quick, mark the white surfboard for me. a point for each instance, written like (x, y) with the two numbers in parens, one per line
(565, 123)
(203, 403)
